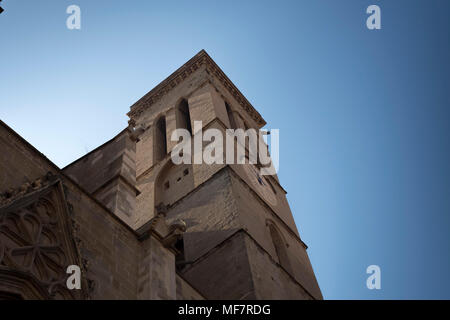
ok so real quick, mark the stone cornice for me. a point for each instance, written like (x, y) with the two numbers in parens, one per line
(200, 59)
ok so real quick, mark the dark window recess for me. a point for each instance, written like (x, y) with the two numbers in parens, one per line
(186, 172)
(185, 118)
(166, 185)
(231, 117)
(160, 146)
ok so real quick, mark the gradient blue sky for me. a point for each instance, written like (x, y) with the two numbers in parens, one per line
(363, 115)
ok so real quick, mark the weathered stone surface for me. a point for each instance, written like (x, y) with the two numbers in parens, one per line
(145, 228)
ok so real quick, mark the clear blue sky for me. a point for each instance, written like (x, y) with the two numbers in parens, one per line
(363, 115)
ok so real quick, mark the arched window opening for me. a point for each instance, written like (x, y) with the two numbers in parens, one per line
(231, 117)
(184, 117)
(160, 142)
(280, 248)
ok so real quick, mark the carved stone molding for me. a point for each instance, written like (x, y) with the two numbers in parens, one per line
(36, 241)
(11, 194)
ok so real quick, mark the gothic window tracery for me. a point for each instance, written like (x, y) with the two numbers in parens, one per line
(34, 247)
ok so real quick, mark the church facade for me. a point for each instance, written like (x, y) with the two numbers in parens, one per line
(141, 227)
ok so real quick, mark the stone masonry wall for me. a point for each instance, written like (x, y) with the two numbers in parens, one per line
(109, 174)
(111, 253)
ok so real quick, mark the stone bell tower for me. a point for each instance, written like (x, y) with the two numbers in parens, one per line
(241, 241)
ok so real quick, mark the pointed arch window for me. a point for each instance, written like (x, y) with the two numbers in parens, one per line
(280, 247)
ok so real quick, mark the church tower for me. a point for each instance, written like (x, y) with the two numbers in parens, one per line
(241, 241)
